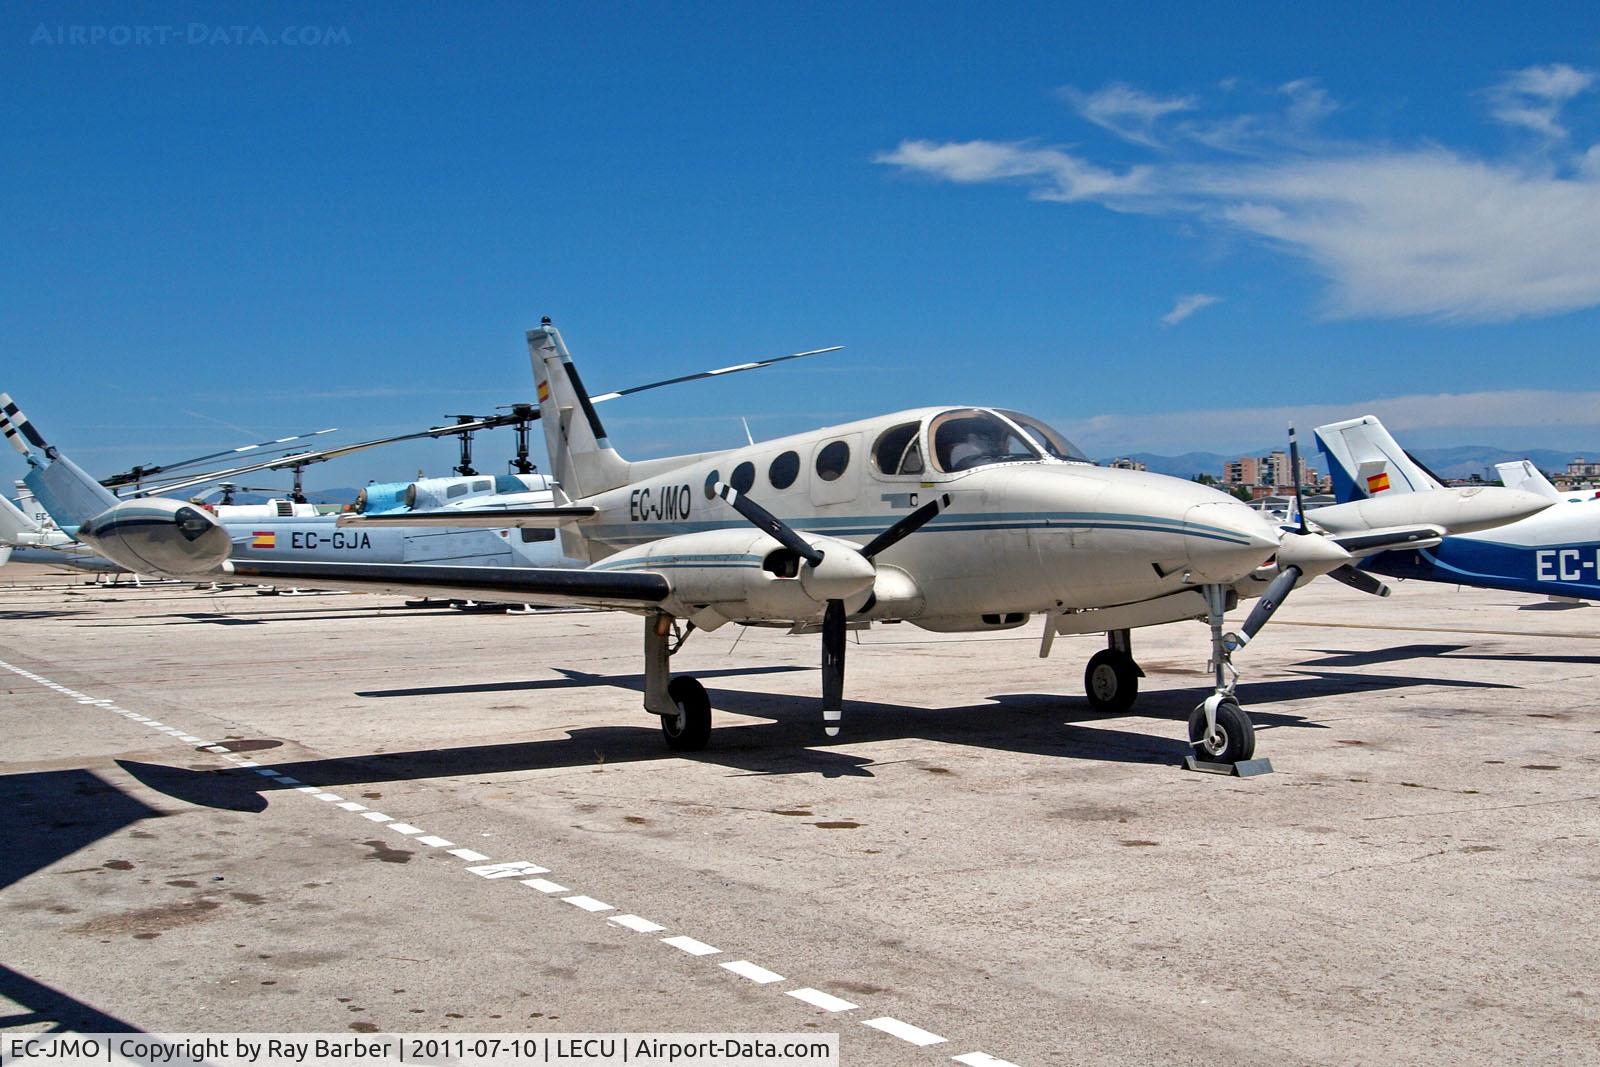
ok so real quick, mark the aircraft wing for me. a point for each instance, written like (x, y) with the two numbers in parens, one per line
(507, 585)
(542, 518)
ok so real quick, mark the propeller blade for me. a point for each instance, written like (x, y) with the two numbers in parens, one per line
(1359, 579)
(907, 526)
(768, 523)
(1270, 602)
(833, 642)
(719, 372)
(1294, 472)
(138, 474)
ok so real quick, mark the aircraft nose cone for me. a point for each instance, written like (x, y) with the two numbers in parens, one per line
(1226, 540)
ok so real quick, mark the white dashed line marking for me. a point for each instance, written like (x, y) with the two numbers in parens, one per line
(268, 772)
(468, 855)
(634, 923)
(405, 828)
(509, 869)
(209, 748)
(904, 1031)
(377, 816)
(588, 903)
(286, 780)
(746, 969)
(544, 885)
(329, 797)
(434, 842)
(818, 999)
(350, 805)
(308, 789)
(690, 945)
(981, 1059)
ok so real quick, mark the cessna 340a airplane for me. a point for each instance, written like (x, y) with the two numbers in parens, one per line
(955, 519)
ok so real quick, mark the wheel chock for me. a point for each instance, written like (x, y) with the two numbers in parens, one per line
(1249, 768)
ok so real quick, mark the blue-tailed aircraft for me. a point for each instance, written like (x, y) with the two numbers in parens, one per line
(1555, 552)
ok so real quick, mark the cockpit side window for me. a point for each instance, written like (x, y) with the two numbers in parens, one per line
(896, 451)
(968, 438)
(1047, 438)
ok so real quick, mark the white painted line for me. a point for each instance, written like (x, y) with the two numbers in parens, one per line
(138, 718)
(509, 869)
(690, 945)
(635, 923)
(268, 772)
(588, 903)
(329, 797)
(189, 738)
(981, 1059)
(468, 855)
(209, 748)
(248, 763)
(818, 999)
(405, 828)
(435, 842)
(544, 885)
(152, 722)
(746, 969)
(309, 789)
(350, 805)
(904, 1031)
(377, 816)
(286, 780)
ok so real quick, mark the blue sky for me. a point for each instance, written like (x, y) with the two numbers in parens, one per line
(1389, 208)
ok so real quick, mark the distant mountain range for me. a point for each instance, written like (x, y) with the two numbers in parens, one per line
(1462, 461)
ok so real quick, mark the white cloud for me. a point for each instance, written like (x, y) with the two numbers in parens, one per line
(1125, 111)
(1533, 97)
(1393, 232)
(1187, 305)
(1052, 173)
(1561, 417)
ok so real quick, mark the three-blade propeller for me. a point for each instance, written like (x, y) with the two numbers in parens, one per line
(834, 614)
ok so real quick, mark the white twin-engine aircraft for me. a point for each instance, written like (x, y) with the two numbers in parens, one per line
(953, 519)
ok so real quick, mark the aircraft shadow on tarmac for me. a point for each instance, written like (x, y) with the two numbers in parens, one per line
(52, 814)
(1332, 657)
(41, 1004)
(786, 743)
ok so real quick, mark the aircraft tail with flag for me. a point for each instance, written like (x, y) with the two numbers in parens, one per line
(581, 457)
(67, 492)
(1366, 461)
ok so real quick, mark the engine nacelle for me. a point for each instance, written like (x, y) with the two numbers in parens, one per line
(169, 538)
(744, 574)
(1456, 511)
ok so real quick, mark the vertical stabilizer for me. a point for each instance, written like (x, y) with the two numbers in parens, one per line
(581, 458)
(15, 526)
(69, 494)
(1522, 474)
(1365, 461)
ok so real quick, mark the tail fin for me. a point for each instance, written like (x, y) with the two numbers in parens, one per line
(14, 524)
(581, 458)
(1365, 461)
(28, 503)
(68, 493)
(1522, 474)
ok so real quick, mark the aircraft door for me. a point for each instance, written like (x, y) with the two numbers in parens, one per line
(836, 469)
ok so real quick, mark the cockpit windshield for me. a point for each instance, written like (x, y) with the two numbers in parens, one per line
(970, 437)
(1047, 439)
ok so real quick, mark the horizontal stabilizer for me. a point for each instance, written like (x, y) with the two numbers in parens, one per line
(477, 518)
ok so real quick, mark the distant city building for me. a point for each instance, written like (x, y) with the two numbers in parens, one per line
(1581, 468)
(1243, 471)
(1123, 463)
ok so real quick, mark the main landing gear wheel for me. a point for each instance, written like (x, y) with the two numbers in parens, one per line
(690, 728)
(1111, 680)
(1234, 740)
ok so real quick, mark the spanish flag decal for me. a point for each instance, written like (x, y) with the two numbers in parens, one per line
(263, 539)
(544, 392)
(1377, 483)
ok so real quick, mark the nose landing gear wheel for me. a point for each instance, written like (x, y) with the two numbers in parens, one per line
(690, 728)
(1111, 681)
(1234, 740)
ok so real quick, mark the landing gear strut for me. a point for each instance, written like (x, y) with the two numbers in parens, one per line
(1219, 729)
(681, 702)
(1111, 679)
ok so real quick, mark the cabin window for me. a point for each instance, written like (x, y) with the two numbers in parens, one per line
(482, 485)
(784, 470)
(833, 461)
(711, 484)
(743, 477)
(895, 447)
(530, 536)
(968, 438)
(459, 489)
